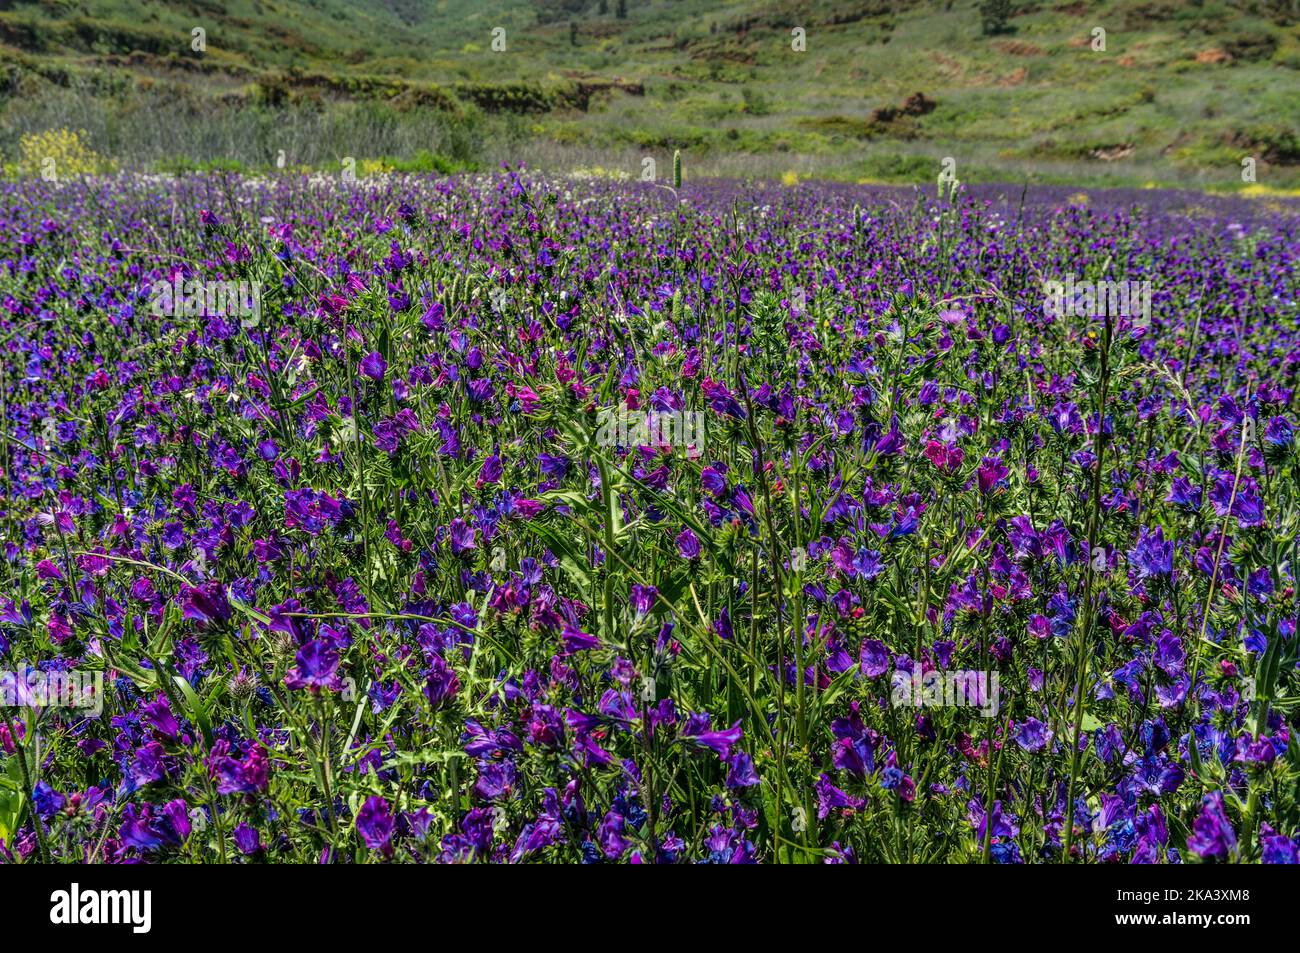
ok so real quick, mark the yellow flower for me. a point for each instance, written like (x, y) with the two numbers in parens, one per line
(1255, 189)
(374, 166)
(59, 153)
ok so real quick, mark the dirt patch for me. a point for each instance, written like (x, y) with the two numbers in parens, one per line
(949, 68)
(1111, 153)
(1017, 48)
(1015, 78)
(1213, 57)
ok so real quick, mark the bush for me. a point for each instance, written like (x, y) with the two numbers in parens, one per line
(1251, 46)
(995, 15)
(426, 161)
(59, 152)
(178, 165)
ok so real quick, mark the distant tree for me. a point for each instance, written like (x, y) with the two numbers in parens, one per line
(604, 7)
(573, 33)
(621, 10)
(995, 14)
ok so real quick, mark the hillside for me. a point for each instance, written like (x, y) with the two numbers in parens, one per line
(1181, 93)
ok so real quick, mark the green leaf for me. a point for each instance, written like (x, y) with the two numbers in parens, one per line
(195, 709)
(573, 564)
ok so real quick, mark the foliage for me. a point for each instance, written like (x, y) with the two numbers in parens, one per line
(369, 575)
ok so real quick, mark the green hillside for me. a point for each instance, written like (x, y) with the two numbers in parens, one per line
(1181, 93)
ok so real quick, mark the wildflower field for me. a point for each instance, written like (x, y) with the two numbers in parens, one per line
(525, 518)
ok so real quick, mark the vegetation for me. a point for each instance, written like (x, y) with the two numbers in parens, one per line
(1180, 94)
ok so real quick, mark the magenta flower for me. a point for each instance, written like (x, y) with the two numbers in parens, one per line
(991, 472)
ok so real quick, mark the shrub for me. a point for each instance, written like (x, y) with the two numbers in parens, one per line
(62, 152)
(994, 15)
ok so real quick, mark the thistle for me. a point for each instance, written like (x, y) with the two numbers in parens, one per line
(242, 685)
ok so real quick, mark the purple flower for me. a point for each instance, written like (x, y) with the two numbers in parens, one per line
(441, 684)
(576, 640)
(830, 798)
(1255, 751)
(854, 750)
(643, 598)
(46, 800)
(722, 627)
(868, 563)
(740, 771)
(1033, 735)
(1239, 498)
(1004, 823)
(315, 667)
(1169, 654)
(496, 779)
(1276, 848)
(149, 764)
(207, 604)
(698, 729)
(373, 366)
(1279, 433)
(146, 828)
(233, 776)
(490, 472)
(1212, 835)
(375, 824)
(247, 839)
(158, 715)
(1157, 775)
(1185, 493)
(610, 835)
(874, 658)
(688, 544)
(1152, 557)
(463, 536)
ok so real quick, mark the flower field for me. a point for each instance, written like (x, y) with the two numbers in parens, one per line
(517, 518)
